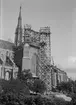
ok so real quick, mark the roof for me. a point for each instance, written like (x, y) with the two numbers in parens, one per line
(58, 69)
(1, 62)
(8, 62)
(6, 45)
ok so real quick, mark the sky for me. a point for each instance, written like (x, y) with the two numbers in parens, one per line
(60, 15)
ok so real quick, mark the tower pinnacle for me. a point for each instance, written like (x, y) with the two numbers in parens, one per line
(20, 18)
(20, 13)
(18, 33)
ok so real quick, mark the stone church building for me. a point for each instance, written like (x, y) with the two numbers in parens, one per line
(33, 50)
(8, 69)
(30, 50)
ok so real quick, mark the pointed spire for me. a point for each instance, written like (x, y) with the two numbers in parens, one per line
(20, 18)
(20, 12)
(18, 34)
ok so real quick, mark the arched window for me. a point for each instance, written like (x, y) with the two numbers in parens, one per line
(7, 75)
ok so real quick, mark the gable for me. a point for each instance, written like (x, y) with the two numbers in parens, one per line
(6, 45)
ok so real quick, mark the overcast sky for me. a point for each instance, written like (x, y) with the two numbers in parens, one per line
(60, 15)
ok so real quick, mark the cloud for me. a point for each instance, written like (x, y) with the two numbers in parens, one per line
(71, 66)
(72, 59)
(71, 62)
(72, 75)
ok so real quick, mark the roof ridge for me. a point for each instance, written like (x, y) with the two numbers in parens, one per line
(6, 41)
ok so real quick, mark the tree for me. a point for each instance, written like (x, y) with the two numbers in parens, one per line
(65, 86)
(39, 86)
(36, 85)
(69, 87)
(74, 87)
(25, 75)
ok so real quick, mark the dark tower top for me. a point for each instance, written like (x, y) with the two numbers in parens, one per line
(20, 19)
(18, 33)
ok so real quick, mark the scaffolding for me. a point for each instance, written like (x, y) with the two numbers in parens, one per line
(46, 38)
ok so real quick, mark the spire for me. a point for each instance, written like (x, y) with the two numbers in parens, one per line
(20, 13)
(20, 18)
(18, 34)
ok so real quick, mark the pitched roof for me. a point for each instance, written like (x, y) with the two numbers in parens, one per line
(6, 45)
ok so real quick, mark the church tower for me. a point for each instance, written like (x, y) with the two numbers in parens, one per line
(18, 33)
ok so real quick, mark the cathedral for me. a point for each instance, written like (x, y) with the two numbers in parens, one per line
(33, 50)
(30, 50)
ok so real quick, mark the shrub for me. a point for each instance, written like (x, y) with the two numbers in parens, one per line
(60, 101)
(14, 86)
(20, 99)
(54, 89)
(39, 100)
(8, 98)
(39, 86)
(73, 99)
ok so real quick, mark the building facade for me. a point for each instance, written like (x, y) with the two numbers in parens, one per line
(58, 76)
(8, 69)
